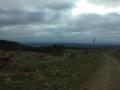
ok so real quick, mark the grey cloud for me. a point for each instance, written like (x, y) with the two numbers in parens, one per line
(83, 25)
(45, 20)
(108, 3)
(16, 17)
(35, 4)
(32, 11)
(98, 23)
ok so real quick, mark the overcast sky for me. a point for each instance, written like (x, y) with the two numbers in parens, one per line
(60, 20)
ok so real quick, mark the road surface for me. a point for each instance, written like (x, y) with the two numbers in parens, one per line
(107, 77)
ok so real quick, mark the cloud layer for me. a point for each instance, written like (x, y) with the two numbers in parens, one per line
(35, 4)
(107, 3)
(52, 21)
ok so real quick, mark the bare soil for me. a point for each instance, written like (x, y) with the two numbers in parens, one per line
(107, 77)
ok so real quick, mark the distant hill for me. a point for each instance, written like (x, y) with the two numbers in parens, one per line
(48, 47)
(75, 45)
(8, 43)
(11, 45)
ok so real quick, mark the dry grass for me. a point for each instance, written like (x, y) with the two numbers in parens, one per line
(40, 71)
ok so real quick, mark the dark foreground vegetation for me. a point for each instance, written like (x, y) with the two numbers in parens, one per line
(50, 68)
(22, 70)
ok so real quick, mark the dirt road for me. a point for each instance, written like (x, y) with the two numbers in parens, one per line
(107, 77)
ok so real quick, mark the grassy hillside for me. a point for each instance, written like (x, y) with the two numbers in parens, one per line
(23, 70)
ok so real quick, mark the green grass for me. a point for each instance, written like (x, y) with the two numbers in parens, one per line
(40, 71)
